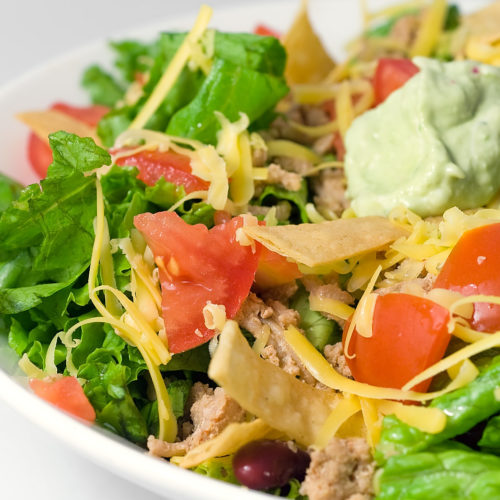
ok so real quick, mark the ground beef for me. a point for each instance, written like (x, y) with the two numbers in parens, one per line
(405, 30)
(334, 354)
(278, 175)
(254, 315)
(211, 412)
(342, 471)
(281, 293)
(329, 188)
(422, 285)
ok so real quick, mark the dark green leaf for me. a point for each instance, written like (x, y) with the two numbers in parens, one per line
(274, 193)
(9, 191)
(102, 87)
(490, 439)
(464, 408)
(226, 89)
(445, 473)
(319, 330)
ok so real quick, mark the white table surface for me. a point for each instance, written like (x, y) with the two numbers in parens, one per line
(34, 465)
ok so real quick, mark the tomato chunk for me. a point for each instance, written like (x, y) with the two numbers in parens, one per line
(39, 153)
(275, 270)
(264, 30)
(409, 335)
(197, 266)
(472, 268)
(390, 75)
(173, 167)
(65, 393)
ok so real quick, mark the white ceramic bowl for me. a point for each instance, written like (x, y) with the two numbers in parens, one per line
(58, 80)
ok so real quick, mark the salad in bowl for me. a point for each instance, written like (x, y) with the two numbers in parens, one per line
(269, 267)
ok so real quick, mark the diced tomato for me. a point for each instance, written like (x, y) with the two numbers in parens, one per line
(39, 153)
(91, 115)
(65, 393)
(197, 266)
(275, 270)
(472, 268)
(409, 334)
(390, 75)
(264, 30)
(337, 141)
(173, 167)
(338, 144)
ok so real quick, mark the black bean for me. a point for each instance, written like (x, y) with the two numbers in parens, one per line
(269, 464)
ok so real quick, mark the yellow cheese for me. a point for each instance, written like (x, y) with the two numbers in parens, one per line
(343, 410)
(430, 29)
(330, 306)
(363, 313)
(343, 107)
(168, 79)
(282, 147)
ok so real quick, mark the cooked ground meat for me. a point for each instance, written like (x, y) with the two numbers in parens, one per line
(278, 175)
(405, 30)
(296, 165)
(342, 471)
(334, 354)
(281, 293)
(329, 187)
(323, 145)
(283, 210)
(424, 285)
(303, 114)
(211, 412)
(255, 314)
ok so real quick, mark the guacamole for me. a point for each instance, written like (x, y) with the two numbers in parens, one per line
(433, 144)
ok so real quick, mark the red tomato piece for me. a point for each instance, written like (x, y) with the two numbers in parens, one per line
(196, 266)
(390, 75)
(275, 270)
(91, 115)
(472, 268)
(173, 167)
(39, 153)
(65, 393)
(264, 30)
(409, 334)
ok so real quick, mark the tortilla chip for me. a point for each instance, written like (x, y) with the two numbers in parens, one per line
(230, 440)
(284, 403)
(317, 245)
(485, 21)
(43, 123)
(308, 61)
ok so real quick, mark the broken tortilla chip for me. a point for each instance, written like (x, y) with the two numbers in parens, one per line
(485, 21)
(286, 404)
(308, 61)
(43, 123)
(229, 441)
(317, 245)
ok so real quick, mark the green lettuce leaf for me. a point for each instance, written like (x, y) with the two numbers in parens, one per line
(319, 330)
(464, 408)
(102, 87)
(449, 472)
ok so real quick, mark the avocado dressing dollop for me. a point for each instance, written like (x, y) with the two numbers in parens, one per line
(433, 144)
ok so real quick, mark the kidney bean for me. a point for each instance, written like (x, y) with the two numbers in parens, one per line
(269, 464)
